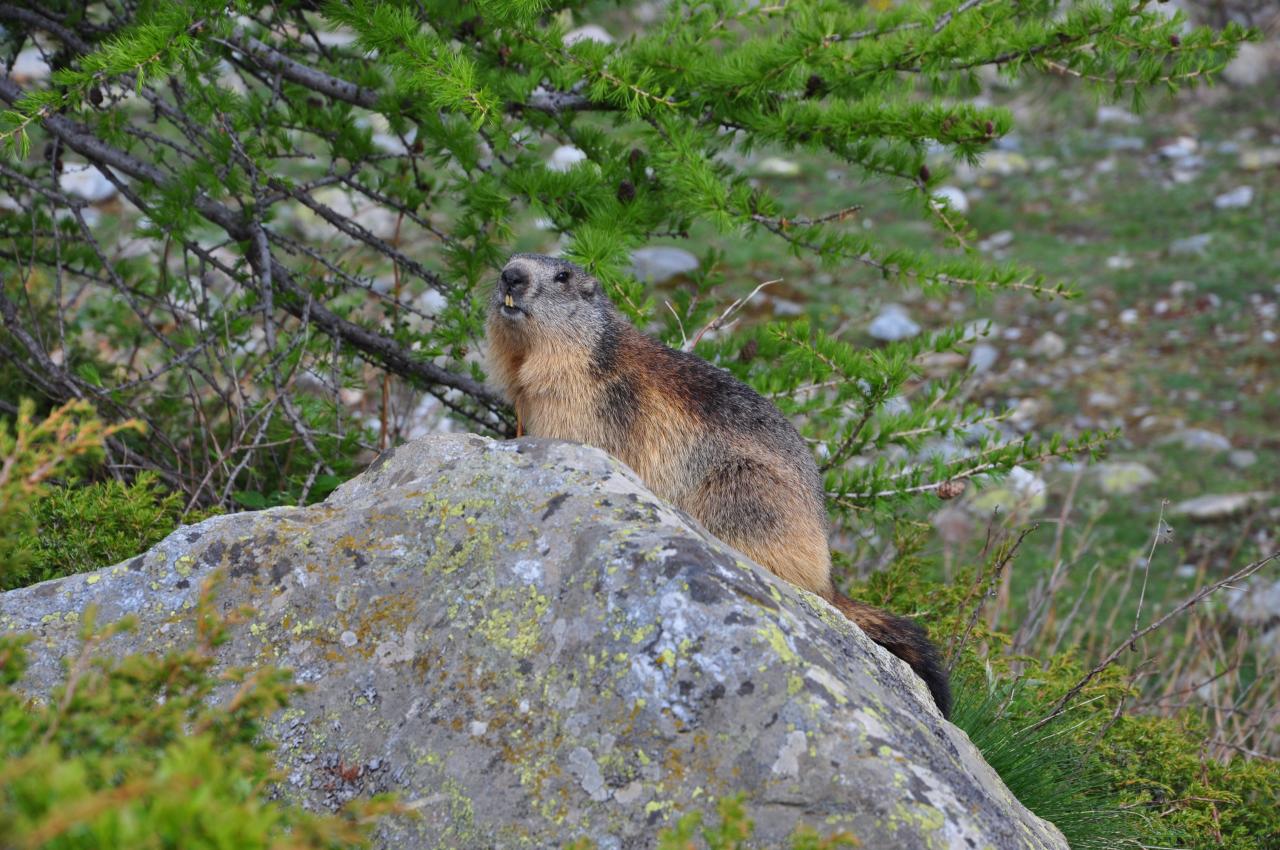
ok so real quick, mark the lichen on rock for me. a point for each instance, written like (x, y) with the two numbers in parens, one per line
(528, 646)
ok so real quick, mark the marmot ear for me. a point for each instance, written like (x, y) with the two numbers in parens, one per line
(588, 287)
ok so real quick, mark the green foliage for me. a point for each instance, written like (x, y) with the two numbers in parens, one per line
(1106, 777)
(31, 453)
(81, 528)
(132, 753)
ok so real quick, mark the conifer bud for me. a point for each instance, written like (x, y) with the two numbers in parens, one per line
(626, 191)
(635, 158)
(950, 489)
(749, 351)
(1175, 40)
(925, 173)
(95, 95)
(814, 86)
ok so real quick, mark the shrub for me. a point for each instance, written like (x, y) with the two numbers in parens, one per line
(1106, 774)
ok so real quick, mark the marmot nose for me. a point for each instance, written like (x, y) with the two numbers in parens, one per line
(514, 279)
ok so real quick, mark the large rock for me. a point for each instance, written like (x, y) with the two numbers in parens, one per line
(530, 647)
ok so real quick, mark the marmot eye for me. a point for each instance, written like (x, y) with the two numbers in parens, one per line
(562, 277)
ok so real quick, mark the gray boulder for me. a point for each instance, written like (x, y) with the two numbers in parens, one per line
(529, 647)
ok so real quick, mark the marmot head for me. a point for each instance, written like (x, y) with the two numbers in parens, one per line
(538, 295)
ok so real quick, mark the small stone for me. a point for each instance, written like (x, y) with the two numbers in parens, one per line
(954, 196)
(1129, 316)
(1238, 198)
(1120, 262)
(1242, 458)
(1123, 478)
(939, 364)
(350, 396)
(478, 728)
(996, 241)
(1259, 159)
(1117, 115)
(1218, 506)
(588, 32)
(660, 263)
(1005, 163)
(87, 182)
(1198, 244)
(983, 357)
(777, 167)
(1103, 399)
(29, 67)
(1179, 149)
(348, 638)
(1251, 66)
(1049, 345)
(565, 157)
(1198, 439)
(893, 324)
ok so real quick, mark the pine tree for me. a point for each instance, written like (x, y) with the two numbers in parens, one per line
(419, 133)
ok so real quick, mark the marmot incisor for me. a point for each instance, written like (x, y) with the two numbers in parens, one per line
(575, 369)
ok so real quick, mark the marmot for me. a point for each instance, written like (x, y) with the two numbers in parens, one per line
(575, 369)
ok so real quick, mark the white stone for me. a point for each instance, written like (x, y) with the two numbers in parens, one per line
(954, 196)
(1116, 115)
(1237, 198)
(1198, 439)
(29, 67)
(983, 357)
(1179, 149)
(587, 32)
(661, 263)
(1197, 244)
(1120, 262)
(1123, 478)
(1259, 159)
(893, 324)
(1049, 345)
(1218, 506)
(1251, 66)
(996, 241)
(87, 182)
(1129, 316)
(565, 157)
(777, 167)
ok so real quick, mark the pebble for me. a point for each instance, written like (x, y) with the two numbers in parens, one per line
(1198, 439)
(565, 157)
(589, 32)
(1218, 506)
(983, 357)
(1117, 115)
(1238, 198)
(996, 241)
(1123, 478)
(1242, 458)
(87, 182)
(1180, 148)
(1198, 244)
(1120, 262)
(777, 167)
(954, 196)
(893, 324)
(661, 263)
(1049, 345)
(29, 67)
(1129, 316)
(1259, 159)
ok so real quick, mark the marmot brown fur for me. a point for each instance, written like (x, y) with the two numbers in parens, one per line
(575, 369)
